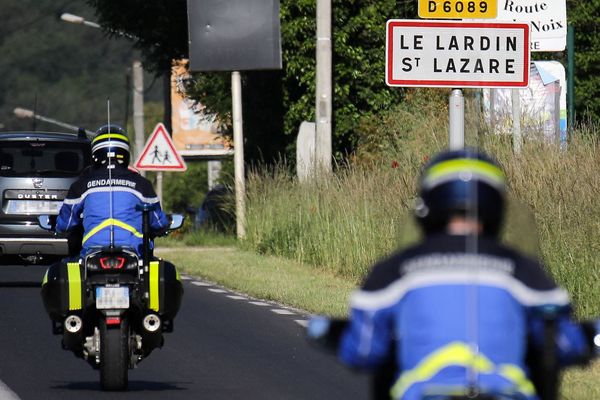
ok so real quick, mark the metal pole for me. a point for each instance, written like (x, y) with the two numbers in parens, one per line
(324, 83)
(558, 136)
(571, 77)
(457, 120)
(214, 170)
(25, 113)
(138, 108)
(238, 157)
(159, 185)
(516, 111)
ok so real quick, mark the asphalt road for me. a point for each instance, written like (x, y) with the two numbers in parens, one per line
(224, 346)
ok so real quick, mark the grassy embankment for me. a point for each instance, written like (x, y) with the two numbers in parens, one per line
(334, 229)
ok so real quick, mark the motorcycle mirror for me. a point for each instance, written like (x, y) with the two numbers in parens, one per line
(176, 221)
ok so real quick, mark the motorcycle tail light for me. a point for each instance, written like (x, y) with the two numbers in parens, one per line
(112, 262)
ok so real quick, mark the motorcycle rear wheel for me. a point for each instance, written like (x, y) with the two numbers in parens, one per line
(114, 355)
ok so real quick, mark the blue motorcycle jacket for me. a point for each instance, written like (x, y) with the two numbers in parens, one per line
(454, 320)
(103, 199)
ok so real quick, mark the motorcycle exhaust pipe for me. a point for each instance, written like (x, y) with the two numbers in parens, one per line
(151, 323)
(73, 324)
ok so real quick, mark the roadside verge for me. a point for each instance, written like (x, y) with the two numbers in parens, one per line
(265, 277)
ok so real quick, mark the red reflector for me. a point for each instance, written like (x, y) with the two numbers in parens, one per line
(113, 320)
(112, 262)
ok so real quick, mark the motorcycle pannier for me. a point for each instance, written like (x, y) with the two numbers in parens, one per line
(63, 290)
(166, 289)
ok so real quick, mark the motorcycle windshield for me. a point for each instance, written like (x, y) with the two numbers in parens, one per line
(519, 230)
(461, 292)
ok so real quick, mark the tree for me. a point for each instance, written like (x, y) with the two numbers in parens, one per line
(276, 102)
(585, 18)
(63, 71)
(159, 28)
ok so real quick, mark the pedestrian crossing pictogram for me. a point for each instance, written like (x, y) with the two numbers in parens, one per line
(159, 154)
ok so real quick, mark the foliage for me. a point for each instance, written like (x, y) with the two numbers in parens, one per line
(159, 28)
(64, 71)
(276, 102)
(364, 208)
(187, 189)
(264, 277)
(418, 121)
(272, 121)
(200, 237)
(358, 64)
(585, 18)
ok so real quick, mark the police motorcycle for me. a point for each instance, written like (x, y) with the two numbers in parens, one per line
(520, 232)
(325, 333)
(112, 307)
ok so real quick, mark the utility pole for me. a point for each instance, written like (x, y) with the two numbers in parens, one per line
(138, 108)
(238, 156)
(323, 148)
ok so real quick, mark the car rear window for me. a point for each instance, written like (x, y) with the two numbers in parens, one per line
(43, 158)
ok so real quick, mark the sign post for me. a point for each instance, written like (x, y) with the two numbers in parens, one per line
(160, 155)
(235, 35)
(457, 55)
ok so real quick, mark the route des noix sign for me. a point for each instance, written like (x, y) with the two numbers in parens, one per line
(458, 9)
(457, 54)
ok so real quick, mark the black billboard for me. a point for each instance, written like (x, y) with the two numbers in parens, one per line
(234, 35)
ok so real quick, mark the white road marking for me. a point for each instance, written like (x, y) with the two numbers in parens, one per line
(279, 311)
(259, 303)
(282, 312)
(186, 278)
(237, 297)
(6, 393)
(197, 283)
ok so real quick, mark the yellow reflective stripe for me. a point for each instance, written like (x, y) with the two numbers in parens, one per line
(459, 354)
(74, 276)
(110, 136)
(45, 280)
(154, 280)
(177, 276)
(453, 354)
(109, 222)
(466, 164)
(516, 375)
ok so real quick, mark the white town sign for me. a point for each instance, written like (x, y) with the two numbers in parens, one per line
(457, 54)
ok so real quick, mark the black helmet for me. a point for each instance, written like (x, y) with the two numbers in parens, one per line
(111, 144)
(461, 182)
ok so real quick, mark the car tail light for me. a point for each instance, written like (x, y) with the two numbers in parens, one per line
(112, 262)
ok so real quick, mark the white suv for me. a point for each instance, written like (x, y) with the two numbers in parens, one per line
(36, 171)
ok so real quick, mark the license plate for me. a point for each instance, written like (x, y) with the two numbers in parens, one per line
(112, 297)
(29, 207)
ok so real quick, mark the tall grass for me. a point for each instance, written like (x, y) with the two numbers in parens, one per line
(345, 222)
(334, 224)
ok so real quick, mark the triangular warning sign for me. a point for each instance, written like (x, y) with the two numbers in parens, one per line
(159, 154)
